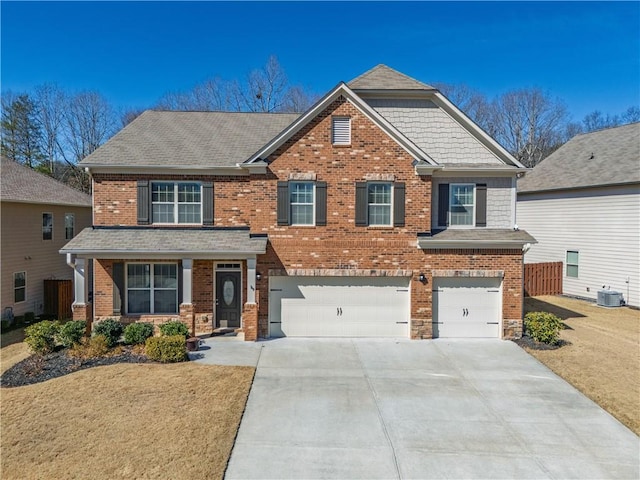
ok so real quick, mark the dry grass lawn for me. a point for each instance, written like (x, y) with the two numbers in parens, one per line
(603, 359)
(123, 421)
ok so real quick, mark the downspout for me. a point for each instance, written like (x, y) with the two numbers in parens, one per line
(71, 260)
(525, 249)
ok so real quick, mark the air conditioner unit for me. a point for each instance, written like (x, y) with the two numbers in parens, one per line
(610, 298)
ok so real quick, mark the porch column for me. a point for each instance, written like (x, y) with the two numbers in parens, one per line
(187, 280)
(251, 280)
(79, 282)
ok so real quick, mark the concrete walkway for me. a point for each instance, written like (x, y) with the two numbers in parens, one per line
(338, 408)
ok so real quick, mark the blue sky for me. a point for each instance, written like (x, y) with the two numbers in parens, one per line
(587, 53)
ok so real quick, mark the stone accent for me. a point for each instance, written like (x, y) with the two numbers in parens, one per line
(512, 329)
(84, 312)
(341, 272)
(468, 273)
(380, 177)
(187, 317)
(302, 176)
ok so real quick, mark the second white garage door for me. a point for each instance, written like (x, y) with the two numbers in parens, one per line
(467, 307)
(339, 306)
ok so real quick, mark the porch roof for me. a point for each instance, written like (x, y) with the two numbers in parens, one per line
(475, 238)
(150, 243)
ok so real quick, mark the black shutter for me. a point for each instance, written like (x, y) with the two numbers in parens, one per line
(362, 218)
(481, 205)
(180, 287)
(117, 275)
(207, 203)
(144, 199)
(398, 204)
(283, 203)
(443, 204)
(321, 203)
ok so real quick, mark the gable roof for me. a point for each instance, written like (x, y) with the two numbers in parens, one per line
(604, 157)
(382, 77)
(24, 185)
(343, 90)
(189, 139)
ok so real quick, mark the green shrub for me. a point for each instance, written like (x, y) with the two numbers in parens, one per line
(29, 317)
(111, 329)
(137, 333)
(166, 349)
(543, 327)
(174, 327)
(41, 337)
(71, 332)
(93, 347)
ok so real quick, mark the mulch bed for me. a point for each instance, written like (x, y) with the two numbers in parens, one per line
(529, 342)
(36, 369)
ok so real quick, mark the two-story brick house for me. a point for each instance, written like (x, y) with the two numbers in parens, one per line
(381, 211)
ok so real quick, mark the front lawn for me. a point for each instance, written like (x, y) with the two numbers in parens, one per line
(600, 356)
(122, 421)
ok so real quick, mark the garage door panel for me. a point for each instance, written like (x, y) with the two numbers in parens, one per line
(467, 307)
(339, 306)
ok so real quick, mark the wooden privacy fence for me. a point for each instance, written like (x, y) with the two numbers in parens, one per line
(543, 279)
(58, 297)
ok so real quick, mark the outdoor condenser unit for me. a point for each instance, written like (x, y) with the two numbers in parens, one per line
(610, 298)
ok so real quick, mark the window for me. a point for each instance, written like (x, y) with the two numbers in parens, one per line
(572, 264)
(176, 202)
(379, 203)
(341, 130)
(152, 288)
(19, 287)
(47, 226)
(69, 225)
(301, 199)
(461, 204)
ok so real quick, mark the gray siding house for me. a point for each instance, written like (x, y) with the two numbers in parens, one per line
(582, 204)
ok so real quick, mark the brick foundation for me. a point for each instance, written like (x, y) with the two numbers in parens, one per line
(250, 321)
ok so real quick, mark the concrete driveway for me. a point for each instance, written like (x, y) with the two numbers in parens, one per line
(327, 408)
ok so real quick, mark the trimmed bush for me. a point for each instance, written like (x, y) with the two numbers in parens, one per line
(96, 346)
(111, 329)
(71, 332)
(543, 327)
(41, 337)
(137, 333)
(174, 327)
(166, 349)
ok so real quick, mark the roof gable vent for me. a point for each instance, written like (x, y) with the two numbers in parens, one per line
(341, 131)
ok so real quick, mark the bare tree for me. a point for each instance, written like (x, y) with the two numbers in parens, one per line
(52, 103)
(89, 123)
(631, 115)
(130, 115)
(210, 95)
(528, 123)
(473, 103)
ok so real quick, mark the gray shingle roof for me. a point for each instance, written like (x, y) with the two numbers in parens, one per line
(382, 77)
(480, 235)
(160, 241)
(198, 139)
(22, 184)
(605, 157)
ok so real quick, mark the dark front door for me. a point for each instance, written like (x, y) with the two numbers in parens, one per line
(228, 299)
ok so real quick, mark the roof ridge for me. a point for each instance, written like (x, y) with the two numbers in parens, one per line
(155, 110)
(604, 129)
(385, 69)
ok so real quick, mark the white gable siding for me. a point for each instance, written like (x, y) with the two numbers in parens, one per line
(602, 224)
(434, 131)
(500, 191)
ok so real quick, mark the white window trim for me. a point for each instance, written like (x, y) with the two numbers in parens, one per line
(15, 288)
(151, 287)
(50, 239)
(175, 201)
(313, 204)
(567, 264)
(73, 225)
(333, 126)
(381, 225)
(475, 206)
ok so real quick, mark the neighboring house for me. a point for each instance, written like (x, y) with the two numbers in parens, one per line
(582, 203)
(381, 211)
(39, 216)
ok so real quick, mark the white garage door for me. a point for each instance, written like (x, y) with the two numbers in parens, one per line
(467, 307)
(339, 306)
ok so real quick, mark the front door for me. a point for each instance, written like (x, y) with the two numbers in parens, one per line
(228, 292)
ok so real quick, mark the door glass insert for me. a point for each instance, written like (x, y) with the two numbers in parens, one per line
(227, 292)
